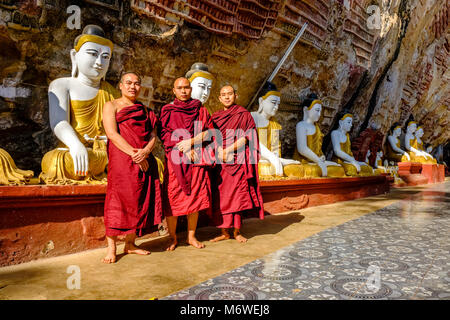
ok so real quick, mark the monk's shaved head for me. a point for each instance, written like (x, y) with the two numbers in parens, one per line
(181, 81)
(182, 89)
(227, 88)
(227, 96)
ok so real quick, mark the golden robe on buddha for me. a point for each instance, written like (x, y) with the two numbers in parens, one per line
(85, 118)
(419, 146)
(9, 173)
(350, 169)
(392, 155)
(314, 142)
(269, 137)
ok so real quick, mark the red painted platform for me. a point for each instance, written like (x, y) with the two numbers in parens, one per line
(285, 195)
(410, 173)
(46, 221)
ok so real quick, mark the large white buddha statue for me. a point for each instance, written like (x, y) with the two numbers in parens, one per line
(271, 163)
(342, 149)
(201, 81)
(393, 150)
(309, 143)
(418, 145)
(76, 105)
(415, 154)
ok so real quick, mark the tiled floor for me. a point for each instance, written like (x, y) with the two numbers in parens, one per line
(399, 252)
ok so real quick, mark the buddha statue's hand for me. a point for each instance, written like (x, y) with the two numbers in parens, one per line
(80, 159)
(276, 162)
(323, 167)
(357, 165)
(407, 155)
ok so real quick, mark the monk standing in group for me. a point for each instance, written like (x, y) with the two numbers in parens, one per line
(186, 188)
(235, 182)
(133, 197)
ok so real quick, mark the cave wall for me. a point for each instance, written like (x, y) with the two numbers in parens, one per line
(381, 75)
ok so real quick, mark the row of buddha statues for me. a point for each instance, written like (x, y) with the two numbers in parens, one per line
(76, 105)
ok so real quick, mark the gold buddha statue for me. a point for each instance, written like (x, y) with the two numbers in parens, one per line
(76, 106)
(271, 164)
(343, 150)
(309, 143)
(9, 173)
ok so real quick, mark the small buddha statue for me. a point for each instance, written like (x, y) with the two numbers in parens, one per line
(201, 81)
(393, 151)
(415, 154)
(379, 163)
(309, 143)
(76, 106)
(271, 163)
(418, 144)
(9, 173)
(343, 149)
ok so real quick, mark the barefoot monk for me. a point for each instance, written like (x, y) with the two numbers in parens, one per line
(186, 189)
(235, 183)
(133, 197)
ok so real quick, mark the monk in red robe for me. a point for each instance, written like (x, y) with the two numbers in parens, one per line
(186, 188)
(235, 182)
(133, 205)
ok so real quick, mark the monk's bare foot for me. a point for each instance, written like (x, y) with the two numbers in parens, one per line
(240, 238)
(195, 243)
(225, 236)
(110, 257)
(132, 249)
(172, 246)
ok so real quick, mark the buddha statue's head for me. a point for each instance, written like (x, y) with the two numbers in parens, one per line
(412, 127)
(419, 132)
(396, 130)
(91, 54)
(346, 122)
(269, 100)
(312, 108)
(201, 81)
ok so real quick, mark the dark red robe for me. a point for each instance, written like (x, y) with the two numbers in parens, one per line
(133, 197)
(186, 187)
(235, 186)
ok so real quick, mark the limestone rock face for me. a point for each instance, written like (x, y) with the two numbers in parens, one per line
(383, 61)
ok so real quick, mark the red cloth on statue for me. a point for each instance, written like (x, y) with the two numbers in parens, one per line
(186, 186)
(133, 197)
(235, 186)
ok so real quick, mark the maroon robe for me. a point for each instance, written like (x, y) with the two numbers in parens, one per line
(235, 186)
(133, 197)
(186, 187)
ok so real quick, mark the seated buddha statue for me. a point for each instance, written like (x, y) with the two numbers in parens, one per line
(9, 173)
(309, 143)
(394, 152)
(75, 109)
(342, 149)
(201, 81)
(415, 154)
(271, 163)
(418, 144)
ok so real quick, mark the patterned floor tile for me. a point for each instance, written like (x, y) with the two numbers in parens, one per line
(398, 252)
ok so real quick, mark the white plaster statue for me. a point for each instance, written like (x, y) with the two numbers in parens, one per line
(419, 144)
(394, 152)
(379, 162)
(201, 81)
(342, 149)
(271, 162)
(415, 153)
(76, 105)
(309, 143)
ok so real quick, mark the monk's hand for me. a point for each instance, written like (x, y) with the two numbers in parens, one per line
(143, 165)
(80, 159)
(139, 155)
(184, 145)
